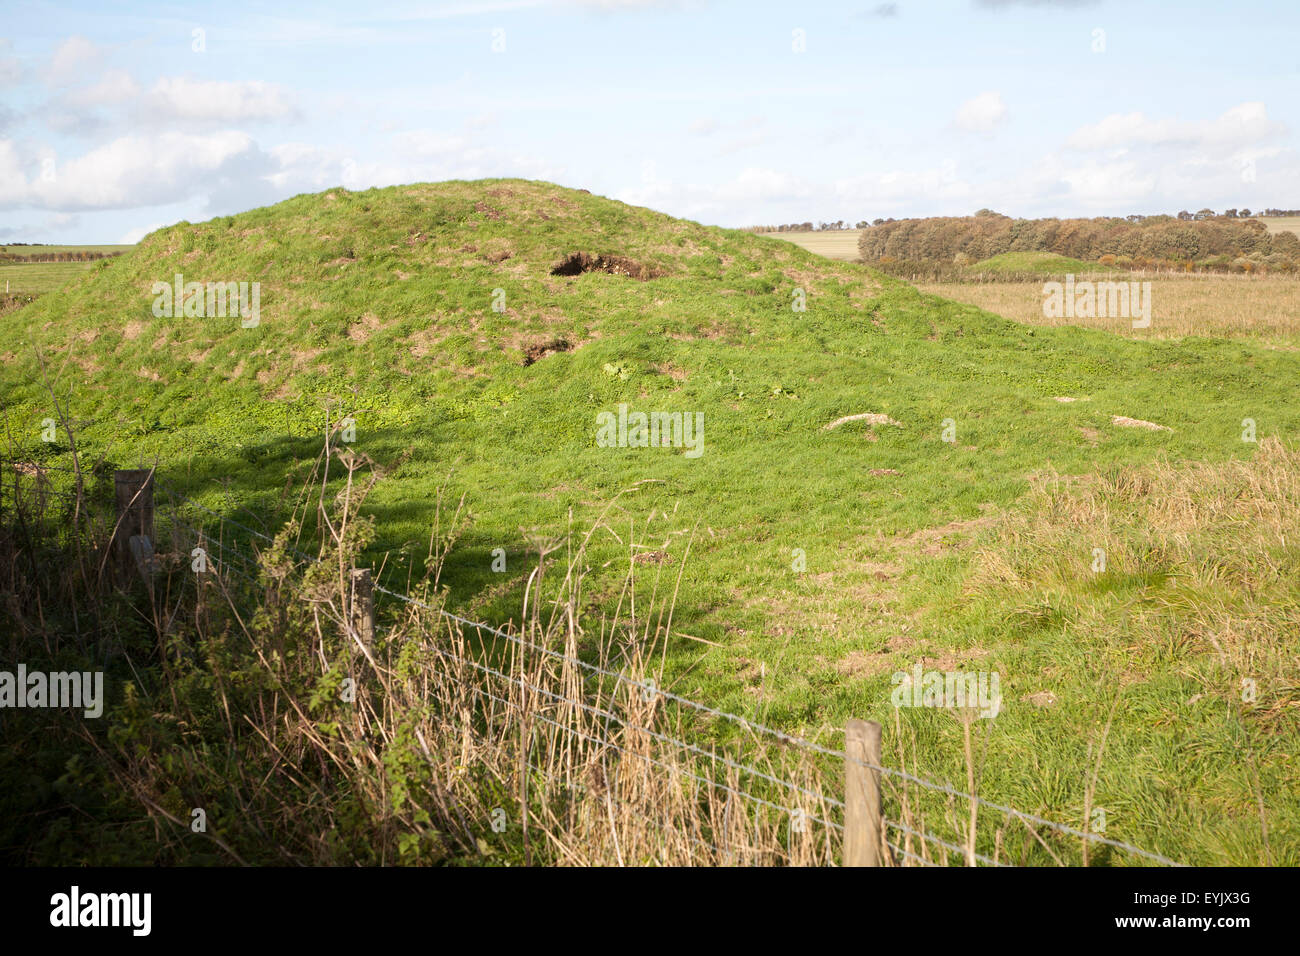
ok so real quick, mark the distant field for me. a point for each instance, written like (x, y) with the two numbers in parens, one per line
(841, 244)
(1282, 223)
(39, 250)
(39, 276)
(1266, 308)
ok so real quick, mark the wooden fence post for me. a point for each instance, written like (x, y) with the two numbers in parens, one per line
(133, 492)
(363, 606)
(862, 812)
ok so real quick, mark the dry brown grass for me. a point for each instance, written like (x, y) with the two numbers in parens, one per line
(1276, 224)
(461, 743)
(1224, 532)
(1266, 308)
(833, 244)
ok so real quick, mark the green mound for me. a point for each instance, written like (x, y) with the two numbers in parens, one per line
(380, 305)
(489, 337)
(1045, 263)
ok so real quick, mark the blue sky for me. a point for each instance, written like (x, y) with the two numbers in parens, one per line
(116, 118)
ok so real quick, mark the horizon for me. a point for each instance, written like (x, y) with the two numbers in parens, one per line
(816, 224)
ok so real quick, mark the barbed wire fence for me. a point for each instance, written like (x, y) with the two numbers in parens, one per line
(883, 818)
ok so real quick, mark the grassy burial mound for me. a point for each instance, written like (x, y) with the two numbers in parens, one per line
(1045, 263)
(497, 341)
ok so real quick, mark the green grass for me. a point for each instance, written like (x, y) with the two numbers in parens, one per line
(1047, 263)
(381, 302)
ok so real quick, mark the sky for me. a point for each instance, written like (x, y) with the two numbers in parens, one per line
(118, 118)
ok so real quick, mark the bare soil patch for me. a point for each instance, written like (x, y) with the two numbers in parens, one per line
(651, 557)
(580, 262)
(1091, 434)
(672, 371)
(361, 329)
(540, 350)
(954, 534)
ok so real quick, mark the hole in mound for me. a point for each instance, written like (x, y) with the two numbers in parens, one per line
(581, 262)
(542, 349)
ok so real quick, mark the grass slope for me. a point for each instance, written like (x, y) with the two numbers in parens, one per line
(381, 303)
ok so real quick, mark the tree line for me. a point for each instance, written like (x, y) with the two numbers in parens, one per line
(838, 224)
(77, 256)
(1213, 242)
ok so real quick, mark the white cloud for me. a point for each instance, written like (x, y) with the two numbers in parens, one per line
(181, 98)
(1242, 125)
(11, 70)
(755, 183)
(74, 57)
(1113, 185)
(116, 102)
(897, 188)
(130, 171)
(114, 88)
(982, 113)
(50, 228)
(736, 200)
(415, 156)
(426, 144)
(12, 183)
(132, 236)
